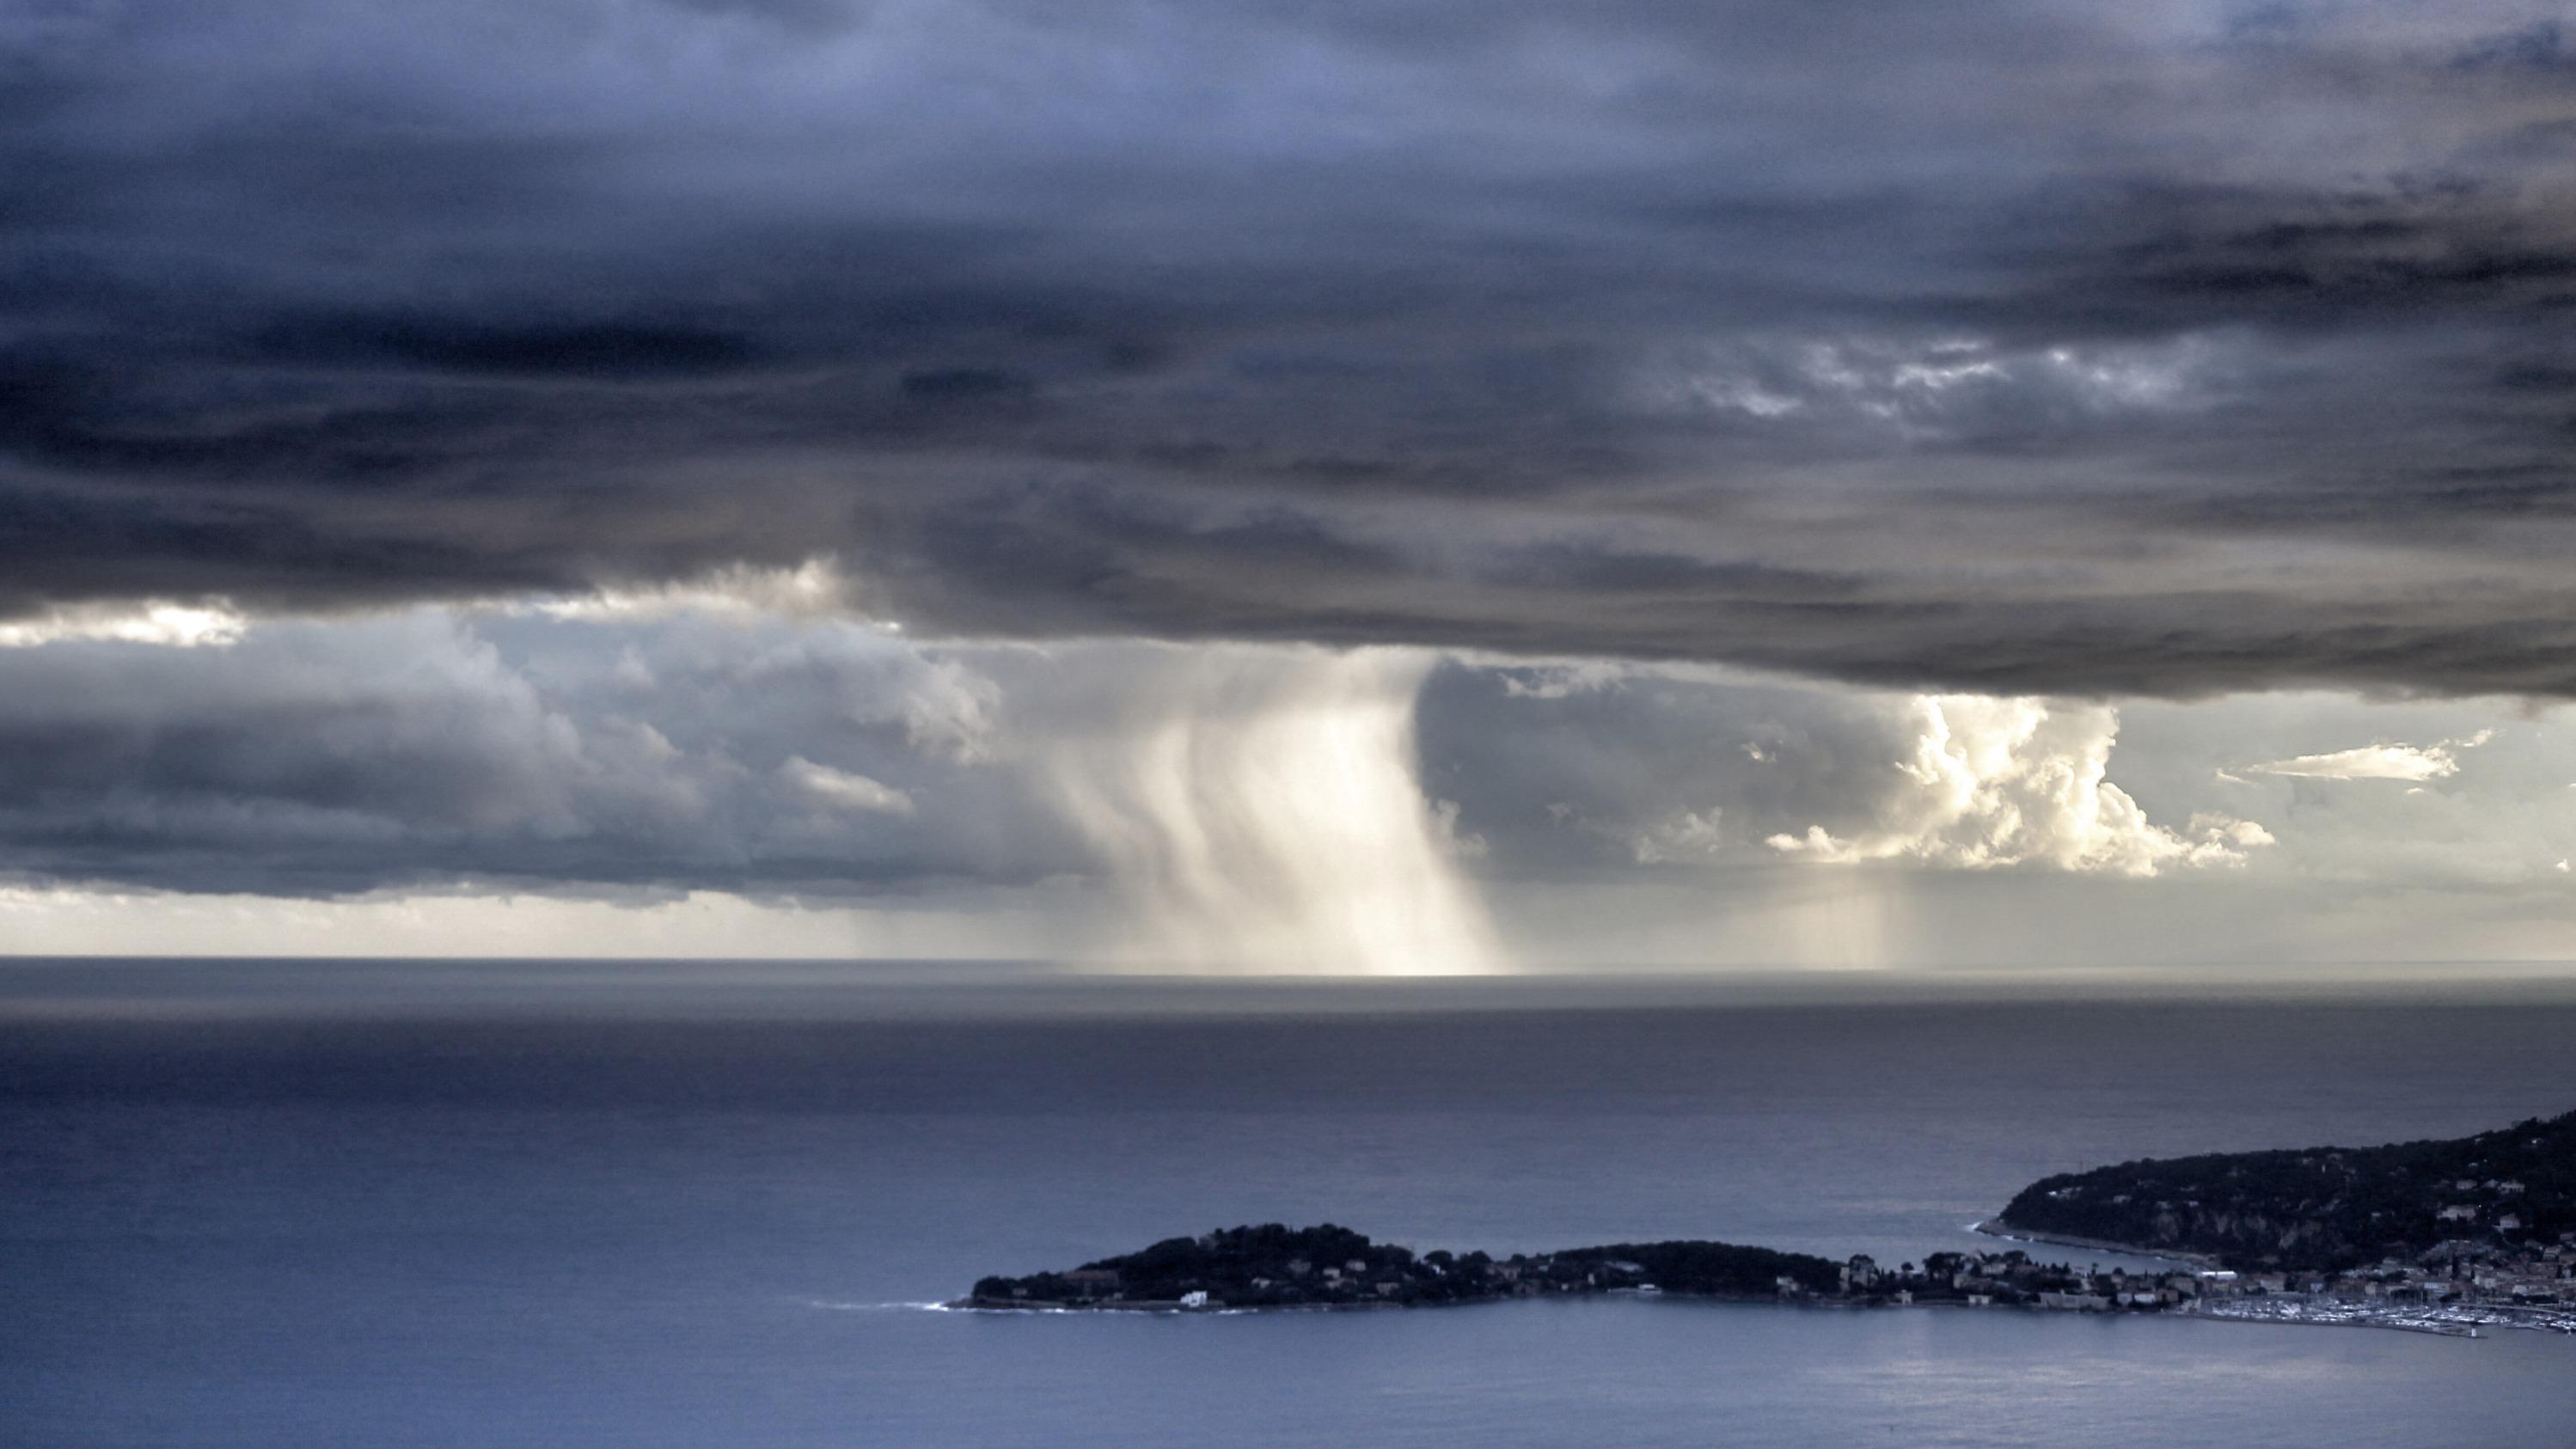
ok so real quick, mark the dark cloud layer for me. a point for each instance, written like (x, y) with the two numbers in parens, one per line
(2162, 349)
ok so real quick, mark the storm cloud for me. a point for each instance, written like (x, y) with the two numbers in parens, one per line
(2011, 348)
(1340, 486)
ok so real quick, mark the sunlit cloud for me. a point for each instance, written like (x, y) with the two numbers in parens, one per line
(205, 624)
(842, 789)
(465, 921)
(816, 588)
(2379, 762)
(2002, 782)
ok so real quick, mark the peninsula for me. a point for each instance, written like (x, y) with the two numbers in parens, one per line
(2439, 1237)
(1273, 1266)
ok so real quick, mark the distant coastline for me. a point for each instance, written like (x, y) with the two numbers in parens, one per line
(2432, 1237)
(1275, 1269)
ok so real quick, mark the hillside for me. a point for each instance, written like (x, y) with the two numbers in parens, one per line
(2322, 1208)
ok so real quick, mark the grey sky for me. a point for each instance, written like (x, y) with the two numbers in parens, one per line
(2104, 358)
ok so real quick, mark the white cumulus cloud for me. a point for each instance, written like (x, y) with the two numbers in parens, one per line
(2013, 781)
(2379, 762)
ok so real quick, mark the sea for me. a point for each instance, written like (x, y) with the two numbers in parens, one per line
(286, 1203)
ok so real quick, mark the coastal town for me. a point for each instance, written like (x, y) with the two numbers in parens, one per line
(2442, 1236)
(2457, 1287)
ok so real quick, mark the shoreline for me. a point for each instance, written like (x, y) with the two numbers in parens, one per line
(1998, 1228)
(2196, 1315)
(971, 1304)
(1018, 1305)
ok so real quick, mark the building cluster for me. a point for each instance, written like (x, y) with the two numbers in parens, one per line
(2462, 1270)
(2015, 1279)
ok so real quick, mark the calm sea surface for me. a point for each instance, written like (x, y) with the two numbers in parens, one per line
(247, 1203)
